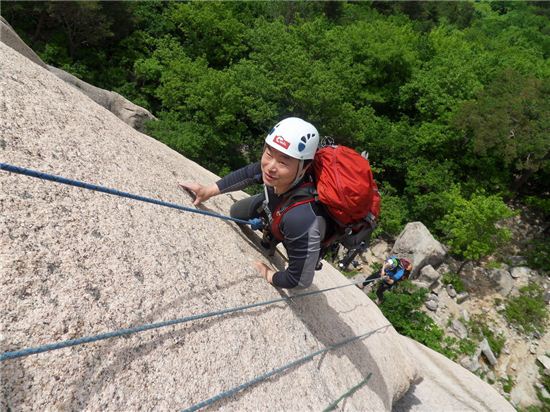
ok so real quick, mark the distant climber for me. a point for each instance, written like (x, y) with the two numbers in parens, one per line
(394, 270)
(288, 153)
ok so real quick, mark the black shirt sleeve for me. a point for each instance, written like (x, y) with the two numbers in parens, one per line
(241, 178)
(303, 232)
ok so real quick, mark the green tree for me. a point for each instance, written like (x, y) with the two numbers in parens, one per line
(451, 75)
(509, 122)
(393, 212)
(210, 30)
(426, 184)
(470, 225)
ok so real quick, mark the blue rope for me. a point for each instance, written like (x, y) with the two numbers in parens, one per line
(256, 224)
(267, 375)
(122, 332)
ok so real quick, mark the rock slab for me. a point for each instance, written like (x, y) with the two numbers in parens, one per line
(416, 242)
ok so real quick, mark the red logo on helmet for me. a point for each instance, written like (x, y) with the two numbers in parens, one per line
(280, 140)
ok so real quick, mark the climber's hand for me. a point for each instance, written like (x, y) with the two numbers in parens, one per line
(264, 270)
(202, 193)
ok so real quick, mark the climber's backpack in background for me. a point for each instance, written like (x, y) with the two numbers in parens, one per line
(344, 184)
(405, 263)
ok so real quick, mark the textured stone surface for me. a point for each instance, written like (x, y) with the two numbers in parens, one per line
(487, 352)
(9, 36)
(451, 291)
(416, 243)
(502, 281)
(471, 363)
(545, 361)
(75, 263)
(428, 275)
(461, 297)
(432, 305)
(520, 272)
(128, 112)
(440, 378)
(459, 329)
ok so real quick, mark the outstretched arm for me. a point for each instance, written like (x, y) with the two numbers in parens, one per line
(202, 193)
(237, 180)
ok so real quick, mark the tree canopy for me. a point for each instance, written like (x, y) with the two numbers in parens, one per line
(450, 99)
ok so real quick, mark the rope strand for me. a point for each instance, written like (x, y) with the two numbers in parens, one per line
(255, 223)
(267, 375)
(128, 331)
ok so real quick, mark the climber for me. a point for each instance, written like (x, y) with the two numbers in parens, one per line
(287, 155)
(394, 270)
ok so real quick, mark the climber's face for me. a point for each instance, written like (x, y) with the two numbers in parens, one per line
(278, 169)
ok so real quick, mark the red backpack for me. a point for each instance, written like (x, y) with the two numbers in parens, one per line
(344, 185)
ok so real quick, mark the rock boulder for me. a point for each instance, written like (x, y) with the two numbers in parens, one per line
(429, 276)
(417, 243)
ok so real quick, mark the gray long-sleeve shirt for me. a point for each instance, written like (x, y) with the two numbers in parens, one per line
(303, 229)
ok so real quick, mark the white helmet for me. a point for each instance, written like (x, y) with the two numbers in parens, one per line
(295, 138)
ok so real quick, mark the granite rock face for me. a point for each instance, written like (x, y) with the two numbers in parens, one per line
(76, 263)
(128, 112)
(417, 244)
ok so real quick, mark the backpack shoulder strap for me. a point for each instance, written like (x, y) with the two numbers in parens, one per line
(305, 193)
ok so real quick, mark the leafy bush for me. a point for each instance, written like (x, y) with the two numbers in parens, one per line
(507, 384)
(376, 267)
(479, 330)
(401, 308)
(393, 215)
(540, 204)
(538, 256)
(528, 310)
(453, 348)
(493, 265)
(455, 280)
(470, 224)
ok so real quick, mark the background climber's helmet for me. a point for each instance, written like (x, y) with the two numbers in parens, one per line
(295, 138)
(392, 263)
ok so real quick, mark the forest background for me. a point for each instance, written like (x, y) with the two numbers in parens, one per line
(450, 99)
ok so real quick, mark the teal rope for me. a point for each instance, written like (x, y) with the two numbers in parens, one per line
(267, 375)
(255, 223)
(334, 404)
(122, 332)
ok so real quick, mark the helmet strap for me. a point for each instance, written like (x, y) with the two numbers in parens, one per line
(301, 172)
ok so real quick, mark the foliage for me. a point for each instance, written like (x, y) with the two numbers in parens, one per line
(479, 330)
(545, 381)
(493, 264)
(528, 310)
(507, 383)
(402, 310)
(375, 267)
(448, 98)
(393, 215)
(539, 204)
(453, 348)
(401, 306)
(538, 255)
(455, 280)
(470, 224)
(510, 120)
